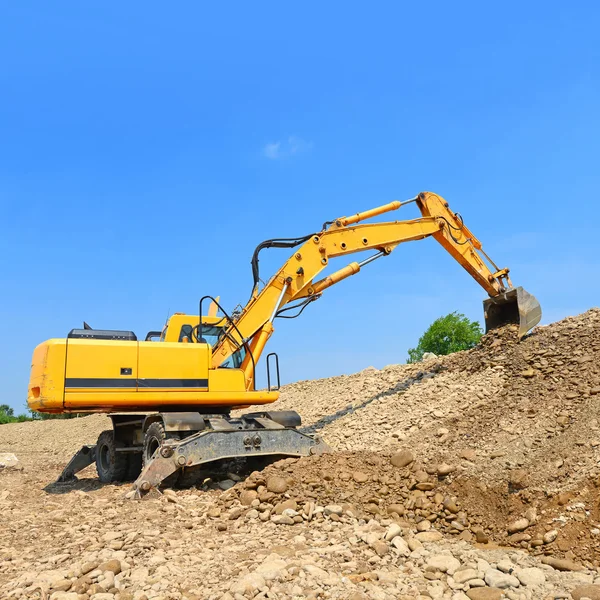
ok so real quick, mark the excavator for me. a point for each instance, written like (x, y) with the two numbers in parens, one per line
(170, 396)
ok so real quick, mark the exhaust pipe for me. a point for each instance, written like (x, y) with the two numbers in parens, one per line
(513, 307)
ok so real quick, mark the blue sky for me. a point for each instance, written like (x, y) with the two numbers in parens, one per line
(147, 148)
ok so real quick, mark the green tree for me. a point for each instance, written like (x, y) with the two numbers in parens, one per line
(446, 335)
(7, 410)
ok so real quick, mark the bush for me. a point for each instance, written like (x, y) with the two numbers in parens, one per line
(7, 415)
(446, 335)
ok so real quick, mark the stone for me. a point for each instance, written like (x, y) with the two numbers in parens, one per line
(272, 569)
(248, 496)
(469, 455)
(333, 509)
(465, 575)
(103, 596)
(550, 536)
(277, 485)
(248, 585)
(400, 544)
(424, 525)
(380, 547)
(485, 594)
(397, 509)
(429, 536)
(393, 530)
(444, 469)
(66, 596)
(62, 586)
(285, 505)
(561, 564)
(592, 592)
(445, 563)
(8, 459)
(518, 525)
(531, 576)
(403, 458)
(497, 579)
(360, 477)
(282, 520)
(226, 484)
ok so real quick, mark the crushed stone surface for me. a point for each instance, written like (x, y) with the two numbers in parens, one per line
(471, 476)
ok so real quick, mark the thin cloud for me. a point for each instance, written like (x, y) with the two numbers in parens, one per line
(284, 149)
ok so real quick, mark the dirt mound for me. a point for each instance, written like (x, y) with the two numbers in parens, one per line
(532, 405)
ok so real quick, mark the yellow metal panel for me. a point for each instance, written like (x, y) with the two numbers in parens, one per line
(157, 400)
(101, 364)
(173, 366)
(227, 380)
(45, 390)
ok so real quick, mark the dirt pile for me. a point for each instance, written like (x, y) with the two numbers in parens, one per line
(471, 476)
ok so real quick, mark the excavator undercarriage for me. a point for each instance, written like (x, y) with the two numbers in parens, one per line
(162, 445)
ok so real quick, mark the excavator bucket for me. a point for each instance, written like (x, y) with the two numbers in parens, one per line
(515, 306)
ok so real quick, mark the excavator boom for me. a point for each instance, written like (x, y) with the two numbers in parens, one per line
(295, 281)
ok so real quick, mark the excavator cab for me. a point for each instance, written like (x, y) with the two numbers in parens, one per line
(516, 306)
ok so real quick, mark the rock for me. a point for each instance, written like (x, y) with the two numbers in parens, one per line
(277, 485)
(316, 572)
(333, 509)
(484, 594)
(428, 356)
(393, 531)
(518, 525)
(360, 477)
(103, 596)
(248, 496)
(62, 586)
(445, 563)
(282, 520)
(272, 569)
(497, 579)
(112, 565)
(400, 544)
(89, 566)
(285, 505)
(429, 536)
(424, 525)
(469, 455)
(443, 470)
(550, 536)
(397, 509)
(592, 592)
(226, 484)
(531, 576)
(465, 575)
(402, 458)
(561, 564)
(248, 585)
(380, 547)
(8, 460)
(235, 513)
(66, 596)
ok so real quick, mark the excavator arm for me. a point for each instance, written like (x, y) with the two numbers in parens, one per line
(295, 281)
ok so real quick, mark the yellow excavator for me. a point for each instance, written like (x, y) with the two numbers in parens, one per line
(170, 396)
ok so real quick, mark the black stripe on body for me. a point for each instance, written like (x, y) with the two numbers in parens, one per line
(92, 382)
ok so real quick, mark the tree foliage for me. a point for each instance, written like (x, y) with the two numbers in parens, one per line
(7, 415)
(446, 335)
